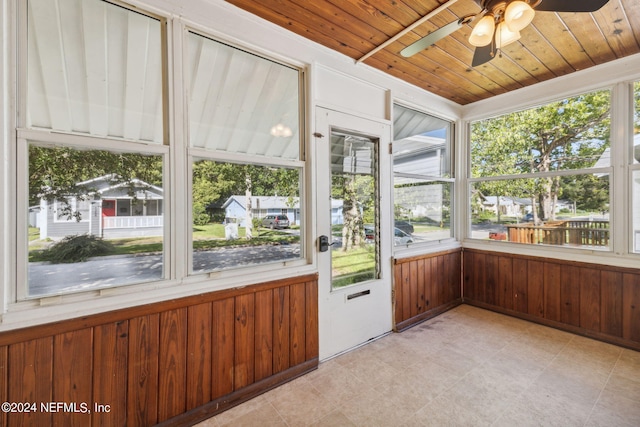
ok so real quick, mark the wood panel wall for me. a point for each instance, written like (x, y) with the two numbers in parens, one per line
(425, 286)
(594, 300)
(173, 362)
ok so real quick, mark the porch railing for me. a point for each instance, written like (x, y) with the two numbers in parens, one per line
(131, 221)
(571, 232)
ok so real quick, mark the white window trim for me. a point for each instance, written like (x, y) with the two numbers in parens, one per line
(18, 310)
(73, 204)
(620, 252)
(436, 244)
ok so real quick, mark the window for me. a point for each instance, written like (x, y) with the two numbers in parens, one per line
(635, 170)
(95, 185)
(247, 166)
(422, 177)
(542, 175)
(71, 209)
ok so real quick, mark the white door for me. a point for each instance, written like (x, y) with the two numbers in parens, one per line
(353, 213)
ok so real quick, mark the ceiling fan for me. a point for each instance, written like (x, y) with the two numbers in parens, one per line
(499, 23)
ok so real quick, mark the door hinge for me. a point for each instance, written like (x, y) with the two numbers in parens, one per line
(390, 148)
(393, 297)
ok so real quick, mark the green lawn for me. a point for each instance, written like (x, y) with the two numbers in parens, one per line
(208, 236)
(353, 266)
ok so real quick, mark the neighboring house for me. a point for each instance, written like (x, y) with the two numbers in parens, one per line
(261, 206)
(514, 206)
(111, 209)
(337, 215)
(235, 208)
(507, 205)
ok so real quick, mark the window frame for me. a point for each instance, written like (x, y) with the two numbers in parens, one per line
(18, 296)
(197, 154)
(452, 180)
(619, 208)
(633, 166)
(194, 154)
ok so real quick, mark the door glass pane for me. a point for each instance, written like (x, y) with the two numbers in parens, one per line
(354, 209)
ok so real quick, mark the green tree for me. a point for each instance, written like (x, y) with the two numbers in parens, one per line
(215, 182)
(568, 134)
(54, 173)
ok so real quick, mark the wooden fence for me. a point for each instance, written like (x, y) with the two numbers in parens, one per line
(573, 232)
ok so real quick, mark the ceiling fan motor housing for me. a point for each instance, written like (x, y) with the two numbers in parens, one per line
(497, 7)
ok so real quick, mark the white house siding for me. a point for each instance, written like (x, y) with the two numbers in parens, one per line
(118, 233)
(261, 206)
(57, 229)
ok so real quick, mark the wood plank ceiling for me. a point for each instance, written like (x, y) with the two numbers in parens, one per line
(553, 45)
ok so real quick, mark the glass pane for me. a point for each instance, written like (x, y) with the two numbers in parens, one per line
(636, 123)
(242, 103)
(94, 68)
(635, 190)
(95, 220)
(567, 211)
(422, 210)
(244, 215)
(563, 135)
(354, 209)
(421, 144)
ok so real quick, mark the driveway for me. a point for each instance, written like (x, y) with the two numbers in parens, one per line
(100, 272)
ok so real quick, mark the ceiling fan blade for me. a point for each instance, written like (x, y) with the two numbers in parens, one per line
(431, 38)
(483, 54)
(570, 6)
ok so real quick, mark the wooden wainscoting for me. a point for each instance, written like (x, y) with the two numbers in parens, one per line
(425, 286)
(175, 362)
(594, 300)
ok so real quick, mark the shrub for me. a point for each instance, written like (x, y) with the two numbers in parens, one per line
(77, 249)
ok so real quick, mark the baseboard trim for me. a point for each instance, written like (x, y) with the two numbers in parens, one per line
(228, 401)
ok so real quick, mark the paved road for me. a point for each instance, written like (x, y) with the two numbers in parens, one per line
(48, 279)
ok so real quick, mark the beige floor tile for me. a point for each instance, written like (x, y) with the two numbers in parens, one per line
(555, 401)
(262, 415)
(372, 408)
(624, 386)
(370, 370)
(299, 402)
(466, 367)
(614, 409)
(628, 365)
(484, 392)
(337, 385)
(445, 412)
(211, 422)
(334, 419)
(234, 413)
(436, 378)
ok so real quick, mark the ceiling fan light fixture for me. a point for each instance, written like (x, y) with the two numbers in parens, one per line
(518, 15)
(505, 36)
(483, 31)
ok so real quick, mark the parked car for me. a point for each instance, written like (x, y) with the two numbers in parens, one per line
(401, 238)
(275, 221)
(369, 234)
(405, 226)
(528, 217)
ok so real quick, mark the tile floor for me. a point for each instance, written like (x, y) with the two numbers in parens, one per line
(466, 367)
